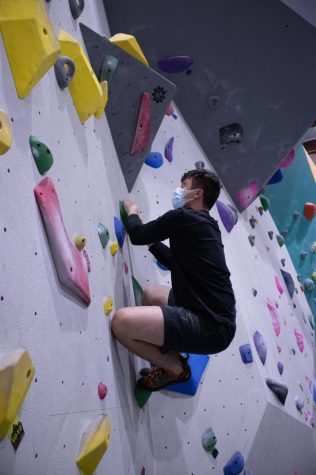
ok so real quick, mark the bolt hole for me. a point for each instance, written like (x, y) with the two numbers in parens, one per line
(45, 31)
(28, 374)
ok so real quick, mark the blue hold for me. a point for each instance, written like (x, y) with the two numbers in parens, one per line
(235, 464)
(246, 353)
(119, 231)
(276, 178)
(197, 364)
(154, 160)
(161, 266)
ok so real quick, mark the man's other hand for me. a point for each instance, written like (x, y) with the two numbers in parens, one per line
(130, 208)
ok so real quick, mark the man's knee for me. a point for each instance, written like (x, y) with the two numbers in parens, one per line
(117, 323)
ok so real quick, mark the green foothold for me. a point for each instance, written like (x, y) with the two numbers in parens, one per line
(141, 396)
(280, 240)
(108, 68)
(265, 202)
(41, 154)
(209, 440)
(138, 291)
(104, 235)
(123, 214)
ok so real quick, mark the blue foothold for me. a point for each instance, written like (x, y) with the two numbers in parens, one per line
(119, 231)
(154, 160)
(235, 464)
(161, 266)
(246, 353)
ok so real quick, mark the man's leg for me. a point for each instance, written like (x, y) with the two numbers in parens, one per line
(156, 295)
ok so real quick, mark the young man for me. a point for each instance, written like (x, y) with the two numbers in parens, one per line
(197, 315)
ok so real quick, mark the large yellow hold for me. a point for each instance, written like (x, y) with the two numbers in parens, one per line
(5, 132)
(30, 42)
(94, 444)
(16, 374)
(89, 96)
(129, 44)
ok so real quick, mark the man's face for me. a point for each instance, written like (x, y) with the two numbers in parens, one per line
(187, 184)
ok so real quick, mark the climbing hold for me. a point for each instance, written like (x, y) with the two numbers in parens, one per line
(253, 222)
(102, 390)
(280, 368)
(251, 239)
(246, 195)
(303, 255)
(16, 374)
(129, 44)
(279, 389)
(103, 235)
(107, 305)
(279, 348)
(299, 403)
(125, 267)
(270, 234)
(69, 262)
(141, 396)
(309, 211)
(95, 442)
(278, 284)
(235, 465)
(308, 285)
(154, 160)
(232, 133)
(138, 292)
(119, 231)
(299, 339)
(284, 233)
(143, 471)
(287, 161)
(143, 128)
(276, 178)
(283, 262)
(199, 165)
(30, 42)
(41, 154)
(246, 353)
(213, 101)
(288, 282)
(123, 214)
(275, 317)
(76, 8)
(64, 71)
(296, 215)
(108, 69)
(311, 321)
(114, 248)
(85, 255)
(88, 95)
(280, 240)
(260, 209)
(170, 110)
(175, 64)
(313, 248)
(168, 150)
(80, 241)
(228, 215)
(209, 442)
(314, 276)
(161, 265)
(254, 292)
(261, 346)
(264, 202)
(5, 132)
(198, 364)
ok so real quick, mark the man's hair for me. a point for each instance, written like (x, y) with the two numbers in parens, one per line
(208, 181)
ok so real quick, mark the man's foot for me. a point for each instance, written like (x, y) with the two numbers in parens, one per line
(158, 378)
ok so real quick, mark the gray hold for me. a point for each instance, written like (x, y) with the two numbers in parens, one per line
(64, 71)
(76, 8)
(199, 165)
(251, 239)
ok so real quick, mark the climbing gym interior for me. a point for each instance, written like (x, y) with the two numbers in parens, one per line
(103, 101)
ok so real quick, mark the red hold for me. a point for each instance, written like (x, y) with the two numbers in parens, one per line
(309, 211)
(143, 128)
(102, 390)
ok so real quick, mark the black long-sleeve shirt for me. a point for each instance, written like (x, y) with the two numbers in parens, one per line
(199, 274)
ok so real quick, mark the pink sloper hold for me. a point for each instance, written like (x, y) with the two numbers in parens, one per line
(102, 390)
(299, 340)
(279, 285)
(287, 161)
(71, 265)
(275, 317)
(247, 195)
(143, 128)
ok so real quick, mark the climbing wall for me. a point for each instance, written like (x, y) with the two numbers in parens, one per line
(70, 343)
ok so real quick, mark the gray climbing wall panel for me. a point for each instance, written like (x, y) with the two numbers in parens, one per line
(130, 80)
(252, 66)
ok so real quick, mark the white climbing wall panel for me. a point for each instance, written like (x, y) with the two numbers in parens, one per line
(71, 346)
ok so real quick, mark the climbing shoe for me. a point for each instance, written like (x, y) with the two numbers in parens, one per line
(158, 378)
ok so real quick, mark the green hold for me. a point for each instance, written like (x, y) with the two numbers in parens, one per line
(108, 69)
(41, 154)
(104, 235)
(141, 396)
(138, 291)
(209, 440)
(280, 240)
(265, 202)
(123, 214)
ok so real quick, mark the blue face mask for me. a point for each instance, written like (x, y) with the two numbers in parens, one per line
(178, 198)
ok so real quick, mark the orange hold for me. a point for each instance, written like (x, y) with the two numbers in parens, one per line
(309, 210)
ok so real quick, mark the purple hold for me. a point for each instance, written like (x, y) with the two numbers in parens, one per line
(228, 215)
(280, 367)
(168, 150)
(261, 346)
(175, 64)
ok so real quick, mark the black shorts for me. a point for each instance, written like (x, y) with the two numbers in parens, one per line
(185, 331)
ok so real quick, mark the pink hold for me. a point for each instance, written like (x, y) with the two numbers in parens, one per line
(299, 340)
(170, 110)
(279, 285)
(309, 382)
(143, 471)
(247, 195)
(287, 161)
(275, 317)
(102, 390)
(85, 254)
(125, 267)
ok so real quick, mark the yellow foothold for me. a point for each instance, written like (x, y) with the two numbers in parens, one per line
(16, 374)
(314, 275)
(30, 42)
(114, 248)
(108, 305)
(129, 44)
(5, 132)
(95, 442)
(80, 241)
(88, 95)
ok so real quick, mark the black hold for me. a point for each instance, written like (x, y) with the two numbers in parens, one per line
(213, 101)
(283, 262)
(279, 389)
(64, 71)
(303, 255)
(254, 292)
(260, 209)
(270, 234)
(232, 133)
(252, 222)
(284, 233)
(199, 165)
(76, 8)
(251, 239)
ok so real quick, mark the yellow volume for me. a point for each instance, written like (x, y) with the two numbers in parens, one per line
(5, 132)
(94, 445)
(129, 44)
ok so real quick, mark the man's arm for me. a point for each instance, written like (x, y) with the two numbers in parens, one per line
(162, 253)
(154, 231)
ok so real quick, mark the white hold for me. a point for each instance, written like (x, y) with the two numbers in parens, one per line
(313, 247)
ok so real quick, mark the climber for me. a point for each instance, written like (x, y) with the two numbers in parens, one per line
(197, 315)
